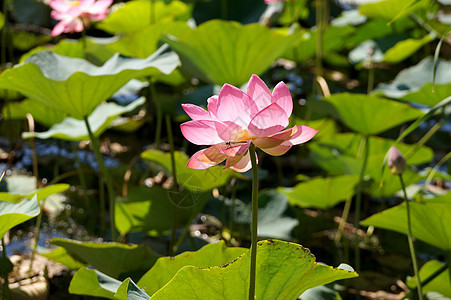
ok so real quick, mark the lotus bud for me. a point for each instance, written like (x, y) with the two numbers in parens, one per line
(396, 161)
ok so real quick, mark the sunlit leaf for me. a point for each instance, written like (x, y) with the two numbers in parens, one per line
(146, 209)
(284, 271)
(440, 284)
(60, 255)
(431, 222)
(165, 268)
(371, 114)
(391, 9)
(143, 42)
(321, 192)
(29, 191)
(305, 48)
(41, 113)
(75, 130)
(192, 179)
(75, 86)
(90, 282)
(405, 49)
(398, 50)
(12, 214)
(228, 52)
(134, 15)
(2, 20)
(415, 83)
(112, 259)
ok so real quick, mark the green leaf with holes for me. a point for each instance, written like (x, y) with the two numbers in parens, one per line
(75, 86)
(165, 268)
(228, 52)
(284, 271)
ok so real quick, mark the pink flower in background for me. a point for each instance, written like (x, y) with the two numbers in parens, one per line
(235, 119)
(75, 15)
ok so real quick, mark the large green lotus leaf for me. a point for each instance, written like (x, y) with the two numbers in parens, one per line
(228, 52)
(75, 86)
(75, 130)
(90, 282)
(112, 259)
(371, 114)
(284, 271)
(41, 113)
(440, 284)
(389, 9)
(12, 214)
(143, 42)
(134, 15)
(211, 255)
(41, 193)
(150, 209)
(321, 192)
(305, 48)
(415, 83)
(192, 179)
(431, 222)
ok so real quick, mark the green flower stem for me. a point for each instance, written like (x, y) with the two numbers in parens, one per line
(172, 245)
(344, 218)
(36, 237)
(5, 293)
(232, 208)
(254, 222)
(81, 176)
(410, 239)
(104, 173)
(431, 277)
(364, 146)
(30, 121)
(102, 205)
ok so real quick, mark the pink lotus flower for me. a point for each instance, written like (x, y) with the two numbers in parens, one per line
(75, 15)
(235, 119)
